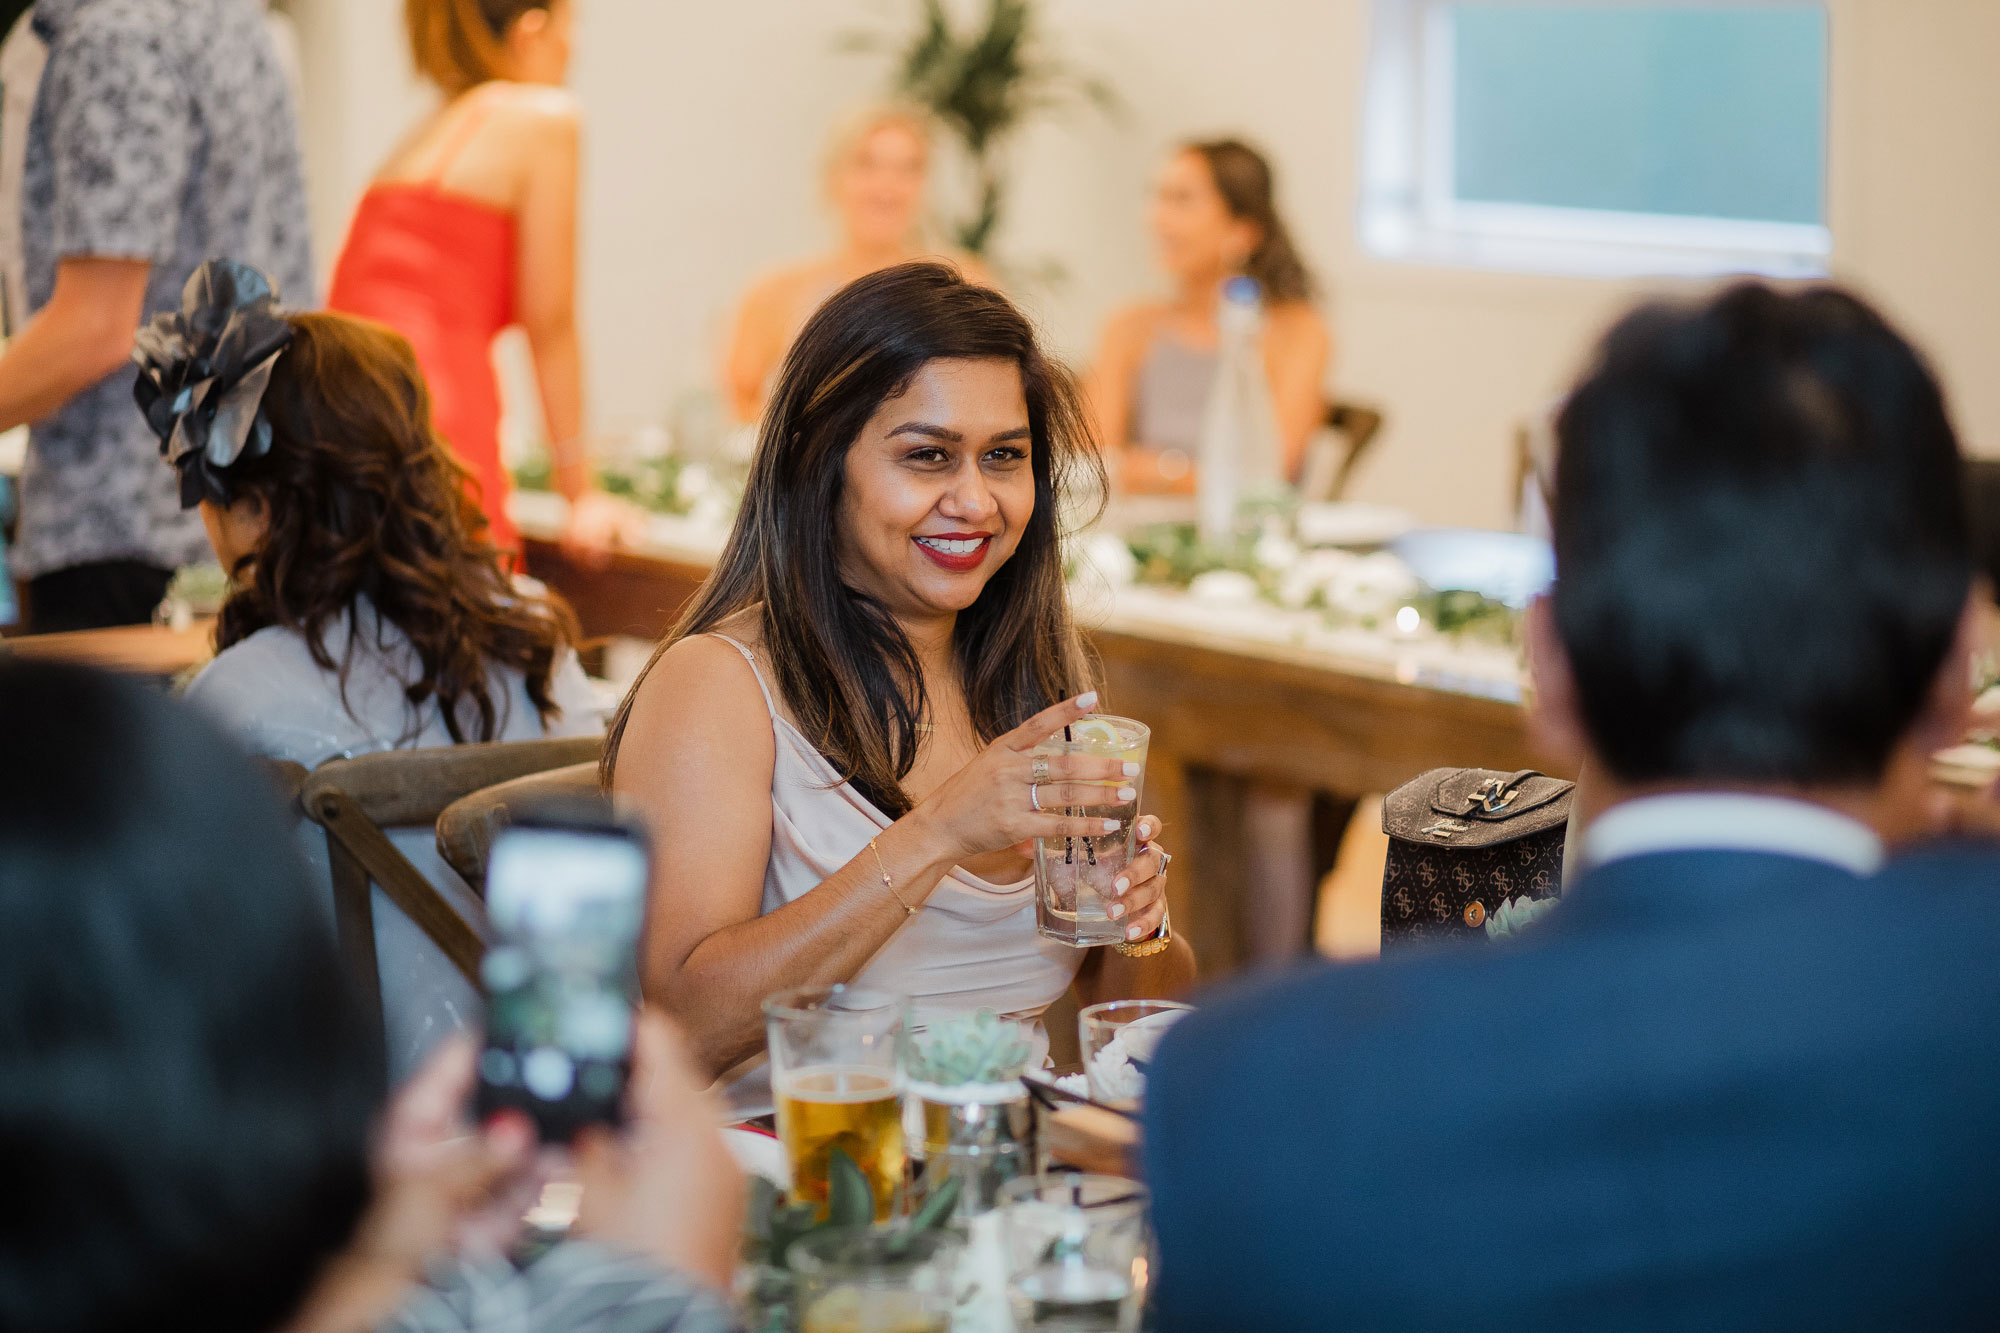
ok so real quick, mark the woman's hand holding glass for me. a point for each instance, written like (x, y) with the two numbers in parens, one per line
(1008, 796)
(1142, 889)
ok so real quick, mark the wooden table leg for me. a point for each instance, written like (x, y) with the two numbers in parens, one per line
(1278, 872)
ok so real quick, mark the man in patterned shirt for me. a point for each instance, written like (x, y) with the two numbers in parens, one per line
(164, 134)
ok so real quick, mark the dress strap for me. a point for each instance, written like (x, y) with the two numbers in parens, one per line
(468, 125)
(751, 658)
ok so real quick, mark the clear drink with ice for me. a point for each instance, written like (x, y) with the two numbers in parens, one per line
(1073, 876)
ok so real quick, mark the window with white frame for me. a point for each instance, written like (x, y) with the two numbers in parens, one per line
(1599, 137)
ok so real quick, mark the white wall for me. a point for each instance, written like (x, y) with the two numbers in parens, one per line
(707, 123)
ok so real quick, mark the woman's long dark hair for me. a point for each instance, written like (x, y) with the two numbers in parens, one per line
(844, 666)
(362, 497)
(1244, 180)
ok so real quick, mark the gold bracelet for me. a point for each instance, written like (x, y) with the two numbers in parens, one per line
(887, 883)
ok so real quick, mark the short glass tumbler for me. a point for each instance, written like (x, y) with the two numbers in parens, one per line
(1073, 876)
(1118, 1039)
(863, 1280)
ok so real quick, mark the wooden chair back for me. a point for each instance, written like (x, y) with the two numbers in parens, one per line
(356, 800)
(1330, 464)
(467, 828)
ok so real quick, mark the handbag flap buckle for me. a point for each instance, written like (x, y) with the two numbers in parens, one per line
(1496, 794)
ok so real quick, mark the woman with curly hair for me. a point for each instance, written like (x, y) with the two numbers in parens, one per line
(367, 610)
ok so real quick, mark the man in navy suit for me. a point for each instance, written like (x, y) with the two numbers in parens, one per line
(1746, 1075)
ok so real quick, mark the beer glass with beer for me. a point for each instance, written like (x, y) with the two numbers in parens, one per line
(835, 1080)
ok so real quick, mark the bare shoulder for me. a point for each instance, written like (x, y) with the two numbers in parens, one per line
(700, 698)
(780, 289)
(1130, 328)
(536, 104)
(1297, 319)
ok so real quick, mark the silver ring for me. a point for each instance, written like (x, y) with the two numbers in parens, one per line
(1166, 858)
(1040, 768)
(1034, 797)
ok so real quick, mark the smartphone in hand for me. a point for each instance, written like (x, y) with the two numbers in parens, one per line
(566, 899)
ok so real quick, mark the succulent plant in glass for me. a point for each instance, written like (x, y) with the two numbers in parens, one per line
(970, 1048)
(964, 1073)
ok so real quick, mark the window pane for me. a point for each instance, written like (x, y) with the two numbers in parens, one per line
(1695, 110)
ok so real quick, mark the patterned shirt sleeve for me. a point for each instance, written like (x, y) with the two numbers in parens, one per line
(578, 1287)
(123, 138)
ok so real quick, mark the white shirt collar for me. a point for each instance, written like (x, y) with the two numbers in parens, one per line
(1733, 822)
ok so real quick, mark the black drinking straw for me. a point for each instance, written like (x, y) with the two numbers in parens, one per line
(1069, 842)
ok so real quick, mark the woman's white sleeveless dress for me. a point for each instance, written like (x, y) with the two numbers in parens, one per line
(972, 945)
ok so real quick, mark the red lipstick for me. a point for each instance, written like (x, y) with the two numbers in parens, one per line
(960, 561)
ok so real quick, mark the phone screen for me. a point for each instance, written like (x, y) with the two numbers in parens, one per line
(562, 980)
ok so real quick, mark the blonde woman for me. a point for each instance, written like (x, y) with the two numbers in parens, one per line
(877, 173)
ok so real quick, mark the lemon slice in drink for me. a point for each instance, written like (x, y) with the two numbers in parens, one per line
(1099, 735)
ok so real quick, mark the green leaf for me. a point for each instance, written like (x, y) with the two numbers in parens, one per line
(787, 1225)
(937, 1209)
(850, 1198)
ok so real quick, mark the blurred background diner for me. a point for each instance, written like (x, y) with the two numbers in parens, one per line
(1215, 218)
(878, 194)
(757, 366)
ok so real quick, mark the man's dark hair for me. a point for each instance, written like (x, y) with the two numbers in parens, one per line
(186, 1087)
(1761, 548)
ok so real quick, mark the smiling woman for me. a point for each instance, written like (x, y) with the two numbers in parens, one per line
(833, 745)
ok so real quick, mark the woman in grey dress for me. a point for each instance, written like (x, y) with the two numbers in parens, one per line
(1214, 218)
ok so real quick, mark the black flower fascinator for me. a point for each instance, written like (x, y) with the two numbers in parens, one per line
(203, 372)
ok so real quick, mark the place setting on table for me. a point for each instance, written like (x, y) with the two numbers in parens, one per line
(924, 1174)
(925, 1178)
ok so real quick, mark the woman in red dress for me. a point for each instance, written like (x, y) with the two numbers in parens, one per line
(470, 228)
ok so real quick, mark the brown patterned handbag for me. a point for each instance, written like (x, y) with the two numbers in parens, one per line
(1464, 840)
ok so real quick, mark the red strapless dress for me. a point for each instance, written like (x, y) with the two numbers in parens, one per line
(439, 269)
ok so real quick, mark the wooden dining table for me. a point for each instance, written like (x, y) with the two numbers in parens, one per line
(159, 651)
(1259, 750)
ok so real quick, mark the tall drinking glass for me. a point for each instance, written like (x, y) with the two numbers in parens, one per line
(834, 1077)
(1073, 876)
(1078, 1253)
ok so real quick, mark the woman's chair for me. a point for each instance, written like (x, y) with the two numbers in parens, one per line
(1333, 456)
(357, 800)
(467, 828)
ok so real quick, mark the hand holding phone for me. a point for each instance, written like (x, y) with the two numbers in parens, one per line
(566, 899)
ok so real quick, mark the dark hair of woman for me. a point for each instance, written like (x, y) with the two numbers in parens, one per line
(187, 1084)
(1244, 180)
(457, 43)
(843, 664)
(362, 498)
